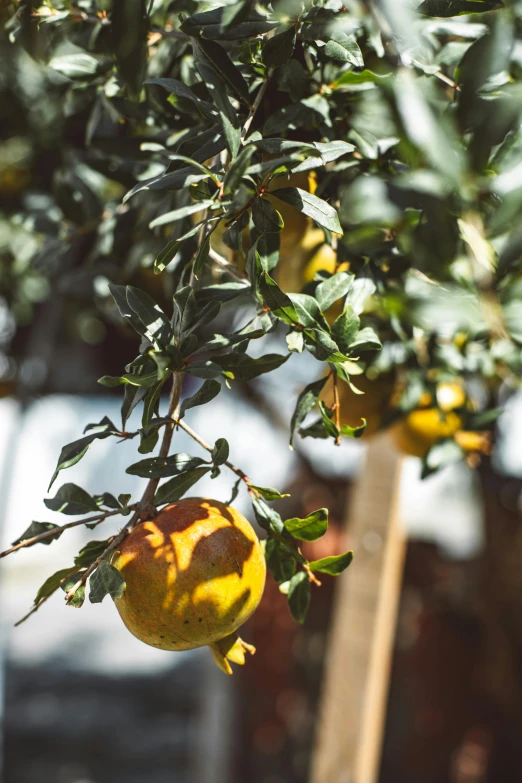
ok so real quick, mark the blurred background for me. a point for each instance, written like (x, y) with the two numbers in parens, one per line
(81, 700)
(85, 702)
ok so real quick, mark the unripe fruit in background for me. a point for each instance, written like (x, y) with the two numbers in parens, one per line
(193, 576)
(422, 428)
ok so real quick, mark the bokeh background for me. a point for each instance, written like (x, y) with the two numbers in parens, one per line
(81, 700)
(85, 702)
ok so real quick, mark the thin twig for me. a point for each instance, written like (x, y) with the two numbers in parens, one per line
(440, 75)
(194, 435)
(311, 576)
(337, 409)
(96, 520)
(257, 103)
(33, 610)
(175, 395)
(114, 543)
(230, 268)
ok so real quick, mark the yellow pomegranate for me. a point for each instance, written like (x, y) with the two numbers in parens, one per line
(193, 576)
(422, 428)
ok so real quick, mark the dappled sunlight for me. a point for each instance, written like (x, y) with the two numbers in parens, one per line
(192, 576)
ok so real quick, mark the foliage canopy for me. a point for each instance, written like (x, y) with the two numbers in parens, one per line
(169, 121)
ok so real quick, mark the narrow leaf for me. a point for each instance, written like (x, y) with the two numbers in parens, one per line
(305, 402)
(312, 206)
(206, 393)
(311, 527)
(175, 488)
(299, 595)
(334, 565)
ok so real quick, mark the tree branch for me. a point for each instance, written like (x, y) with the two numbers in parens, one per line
(97, 520)
(145, 507)
(227, 266)
(242, 475)
(257, 103)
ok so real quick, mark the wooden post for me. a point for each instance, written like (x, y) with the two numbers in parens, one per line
(351, 723)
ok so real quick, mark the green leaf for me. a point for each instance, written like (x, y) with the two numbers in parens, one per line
(360, 291)
(299, 595)
(79, 596)
(366, 340)
(179, 214)
(457, 7)
(332, 289)
(279, 561)
(220, 452)
(129, 28)
(305, 402)
(353, 432)
(185, 309)
(71, 499)
(206, 393)
(269, 493)
(73, 452)
(279, 303)
(216, 83)
(345, 48)
(175, 488)
(78, 65)
(90, 552)
(53, 583)
(345, 328)
(175, 180)
(201, 257)
(132, 396)
(266, 219)
(153, 320)
(280, 48)
(327, 419)
(240, 366)
(333, 565)
(308, 312)
(237, 170)
(36, 529)
(312, 206)
(106, 580)
(236, 12)
(209, 24)
(218, 58)
(181, 90)
(151, 403)
(350, 78)
(311, 527)
(164, 467)
(235, 492)
(267, 517)
(111, 381)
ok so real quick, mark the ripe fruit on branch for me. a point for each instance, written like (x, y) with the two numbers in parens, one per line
(193, 576)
